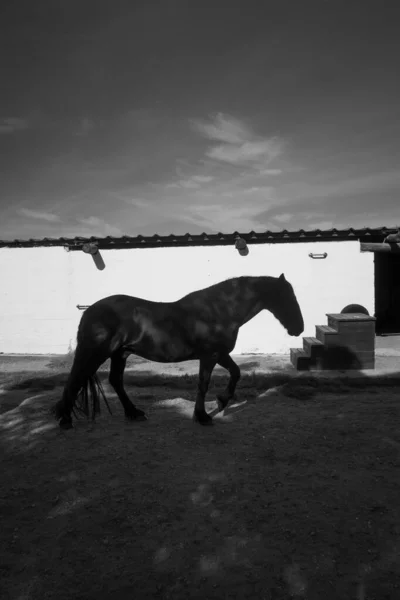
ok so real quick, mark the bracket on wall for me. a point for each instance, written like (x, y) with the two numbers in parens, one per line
(393, 238)
(319, 256)
(383, 247)
(93, 249)
(241, 246)
(391, 243)
(82, 306)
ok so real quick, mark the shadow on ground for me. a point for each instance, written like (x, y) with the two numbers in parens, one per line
(304, 384)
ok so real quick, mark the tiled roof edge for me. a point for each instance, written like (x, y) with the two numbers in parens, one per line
(207, 239)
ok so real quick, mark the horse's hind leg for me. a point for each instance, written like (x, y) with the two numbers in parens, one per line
(206, 368)
(228, 363)
(116, 379)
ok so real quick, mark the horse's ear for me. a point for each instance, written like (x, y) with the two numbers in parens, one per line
(282, 277)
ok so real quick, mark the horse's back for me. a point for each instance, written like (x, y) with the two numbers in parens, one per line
(122, 303)
(118, 300)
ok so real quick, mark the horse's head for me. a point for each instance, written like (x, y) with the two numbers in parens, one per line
(284, 306)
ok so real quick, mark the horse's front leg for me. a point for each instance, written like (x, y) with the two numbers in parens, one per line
(228, 363)
(206, 368)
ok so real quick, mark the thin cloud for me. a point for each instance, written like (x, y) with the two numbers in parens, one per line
(271, 172)
(320, 225)
(240, 145)
(257, 189)
(284, 217)
(355, 197)
(224, 129)
(202, 178)
(239, 165)
(12, 124)
(193, 183)
(224, 217)
(100, 226)
(42, 216)
(136, 202)
(247, 153)
(341, 188)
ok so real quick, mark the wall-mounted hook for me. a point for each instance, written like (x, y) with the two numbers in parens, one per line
(93, 249)
(241, 246)
(393, 238)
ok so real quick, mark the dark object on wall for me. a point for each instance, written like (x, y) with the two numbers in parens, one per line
(391, 243)
(354, 308)
(90, 248)
(241, 246)
(393, 238)
(388, 248)
(93, 249)
(314, 255)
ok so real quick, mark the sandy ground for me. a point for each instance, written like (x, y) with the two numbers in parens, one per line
(293, 493)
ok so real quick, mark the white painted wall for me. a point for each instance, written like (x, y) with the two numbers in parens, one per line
(36, 309)
(42, 286)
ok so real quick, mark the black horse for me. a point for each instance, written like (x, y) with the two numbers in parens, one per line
(203, 325)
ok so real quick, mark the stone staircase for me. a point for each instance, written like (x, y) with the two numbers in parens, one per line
(346, 343)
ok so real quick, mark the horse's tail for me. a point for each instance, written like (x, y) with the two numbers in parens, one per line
(83, 389)
(88, 399)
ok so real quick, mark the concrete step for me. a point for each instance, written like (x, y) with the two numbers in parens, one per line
(314, 348)
(299, 359)
(354, 322)
(358, 341)
(324, 333)
(350, 317)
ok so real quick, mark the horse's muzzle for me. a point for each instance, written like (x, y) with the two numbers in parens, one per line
(295, 332)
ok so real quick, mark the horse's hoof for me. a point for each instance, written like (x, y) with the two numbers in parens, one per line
(222, 402)
(65, 423)
(203, 419)
(139, 416)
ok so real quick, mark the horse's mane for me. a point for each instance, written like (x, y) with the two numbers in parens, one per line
(243, 280)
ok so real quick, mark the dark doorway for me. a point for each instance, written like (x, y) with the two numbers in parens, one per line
(387, 293)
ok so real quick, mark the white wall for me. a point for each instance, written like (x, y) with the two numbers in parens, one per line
(35, 303)
(42, 286)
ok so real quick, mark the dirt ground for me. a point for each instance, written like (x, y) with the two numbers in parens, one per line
(293, 493)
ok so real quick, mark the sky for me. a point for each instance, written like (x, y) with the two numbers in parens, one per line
(189, 116)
